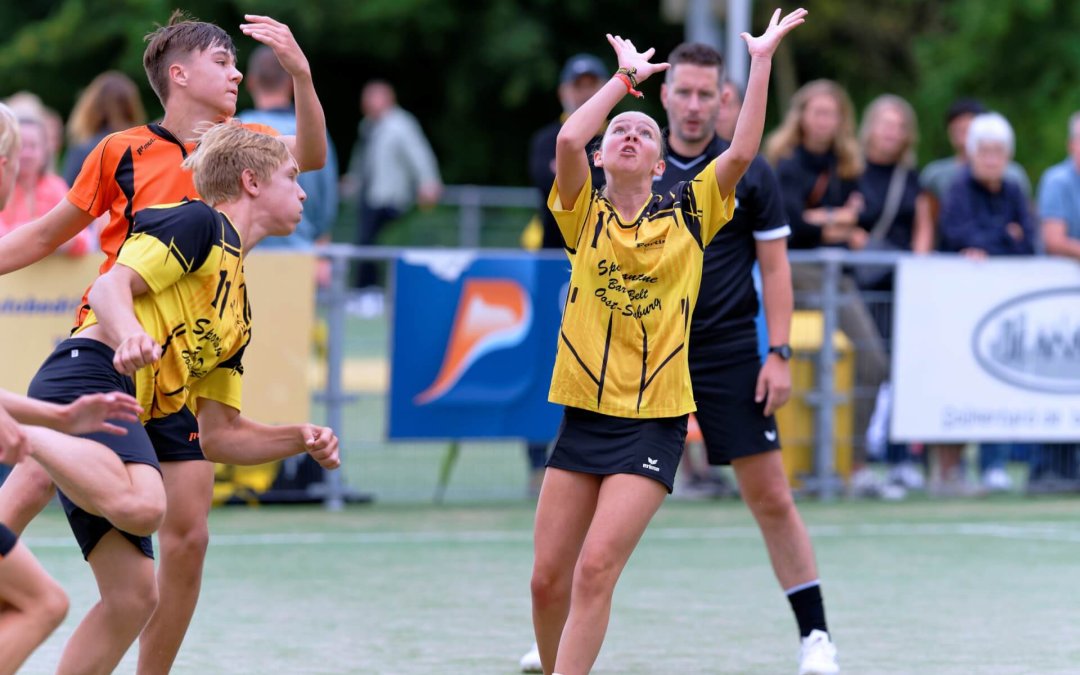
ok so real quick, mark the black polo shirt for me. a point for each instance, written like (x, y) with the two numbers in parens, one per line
(723, 324)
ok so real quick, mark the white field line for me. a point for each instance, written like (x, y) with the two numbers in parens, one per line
(1061, 532)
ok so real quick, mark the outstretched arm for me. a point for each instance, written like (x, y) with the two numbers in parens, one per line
(29, 243)
(86, 414)
(308, 146)
(732, 164)
(571, 162)
(230, 438)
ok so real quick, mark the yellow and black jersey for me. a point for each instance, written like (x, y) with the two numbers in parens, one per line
(190, 256)
(633, 287)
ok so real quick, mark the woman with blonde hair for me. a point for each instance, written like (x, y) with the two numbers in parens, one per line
(817, 161)
(896, 210)
(111, 102)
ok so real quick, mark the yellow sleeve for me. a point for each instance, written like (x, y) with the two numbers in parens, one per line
(168, 243)
(713, 209)
(572, 221)
(222, 384)
(150, 258)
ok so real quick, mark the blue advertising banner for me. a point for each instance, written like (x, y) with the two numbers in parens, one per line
(473, 345)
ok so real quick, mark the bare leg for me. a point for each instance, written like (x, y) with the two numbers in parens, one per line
(184, 536)
(563, 513)
(24, 494)
(624, 508)
(765, 490)
(32, 605)
(125, 579)
(130, 496)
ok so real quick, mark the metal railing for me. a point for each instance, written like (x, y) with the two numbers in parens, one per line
(471, 201)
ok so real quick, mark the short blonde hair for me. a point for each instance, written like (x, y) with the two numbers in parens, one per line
(9, 132)
(225, 151)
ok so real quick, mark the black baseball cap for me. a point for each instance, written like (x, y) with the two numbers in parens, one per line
(964, 106)
(583, 64)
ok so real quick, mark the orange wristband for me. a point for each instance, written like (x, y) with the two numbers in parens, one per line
(629, 86)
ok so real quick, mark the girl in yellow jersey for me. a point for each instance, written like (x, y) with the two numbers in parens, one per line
(621, 369)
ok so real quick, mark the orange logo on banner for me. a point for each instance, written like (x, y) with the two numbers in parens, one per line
(491, 314)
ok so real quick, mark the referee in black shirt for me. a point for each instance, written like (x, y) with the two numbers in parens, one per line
(736, 394)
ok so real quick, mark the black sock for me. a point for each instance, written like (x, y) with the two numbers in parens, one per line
(809, 608)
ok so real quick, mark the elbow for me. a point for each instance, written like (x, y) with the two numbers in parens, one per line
(567, 142)
(211, 446)
(313, 161)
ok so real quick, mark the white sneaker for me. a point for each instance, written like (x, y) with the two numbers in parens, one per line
(817, 656)
(997, 480)
(530, 663)
(907, 475)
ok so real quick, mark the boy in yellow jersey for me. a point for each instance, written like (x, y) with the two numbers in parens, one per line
(32, 604)
(621, 368)
(191, 66)
(169, 323)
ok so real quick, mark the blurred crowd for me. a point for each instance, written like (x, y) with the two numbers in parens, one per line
(846, 182)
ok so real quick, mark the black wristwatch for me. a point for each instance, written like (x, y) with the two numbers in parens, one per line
(783, 351)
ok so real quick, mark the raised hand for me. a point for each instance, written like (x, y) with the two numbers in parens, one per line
(322, 444)
(91, 413)
(629, 57)
(134, 352)
(765, 44)
(278, 37)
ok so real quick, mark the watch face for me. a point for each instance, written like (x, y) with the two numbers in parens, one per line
(783, 351)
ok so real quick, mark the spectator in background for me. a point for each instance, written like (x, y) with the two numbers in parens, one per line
(730, 105)
(392, 168)
(938, 175)
(37, 190)
(818, 164)
(110, 103)
(29, 105)
(895, 217)
(271, 89)
(581, 77)
(1053, 466)
(985, 214)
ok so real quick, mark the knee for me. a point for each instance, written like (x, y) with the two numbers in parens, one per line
(53, 606)
(187, 540)
(772, 502)
(139, 512)
(549, 586)
(596, 574)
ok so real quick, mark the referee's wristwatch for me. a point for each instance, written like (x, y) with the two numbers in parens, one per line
(783, 351)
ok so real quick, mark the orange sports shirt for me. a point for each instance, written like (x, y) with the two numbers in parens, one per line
(127, 172)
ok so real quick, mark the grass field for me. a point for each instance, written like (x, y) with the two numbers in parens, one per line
(916, 587)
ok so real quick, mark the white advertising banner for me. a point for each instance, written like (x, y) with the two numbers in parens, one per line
(986, 351)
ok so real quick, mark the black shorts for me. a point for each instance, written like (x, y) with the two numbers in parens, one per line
(733, 425)
(81, 366)
(176, 437)
(590, 442)
(8, 539)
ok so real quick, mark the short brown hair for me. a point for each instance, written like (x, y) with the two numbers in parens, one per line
(225, 151)
(696, 54)
(182, 35)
